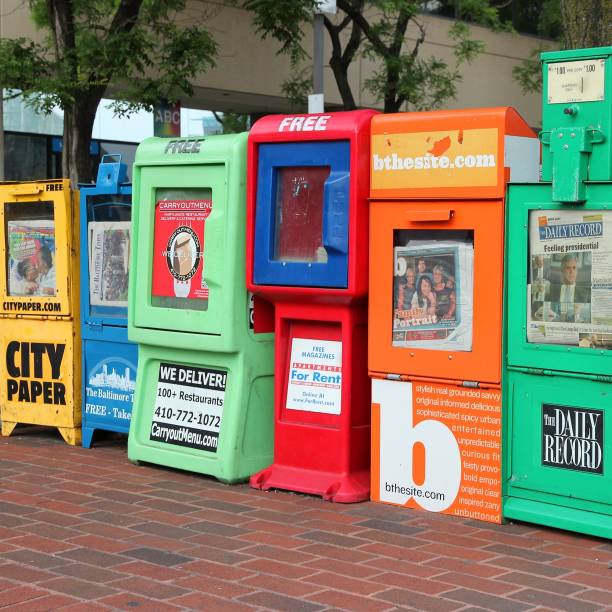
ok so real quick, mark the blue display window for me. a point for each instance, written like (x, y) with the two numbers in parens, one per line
(302, 216)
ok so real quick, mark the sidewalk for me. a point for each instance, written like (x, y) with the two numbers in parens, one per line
(86, 530)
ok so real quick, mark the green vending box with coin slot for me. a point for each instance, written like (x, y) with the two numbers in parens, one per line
(558, 387)
(204, 386)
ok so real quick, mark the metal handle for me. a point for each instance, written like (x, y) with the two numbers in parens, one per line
(22, 190)
(544, 137)
(107, 159)
(421, 216)
(596, 136)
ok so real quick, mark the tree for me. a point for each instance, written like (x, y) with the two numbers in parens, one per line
(233, 123)
(586, 23)
(134, 50)
(575, 24)
(391, 32)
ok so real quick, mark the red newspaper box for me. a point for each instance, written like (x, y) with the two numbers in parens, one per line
(307, 258)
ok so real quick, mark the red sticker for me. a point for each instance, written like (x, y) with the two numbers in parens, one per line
(178, 256)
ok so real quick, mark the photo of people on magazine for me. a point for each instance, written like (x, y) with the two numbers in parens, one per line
(432, 294)
(31, 255)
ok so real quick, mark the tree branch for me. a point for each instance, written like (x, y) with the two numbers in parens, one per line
(419, 41)
(400, 32)
(61, 21)
(357, 16)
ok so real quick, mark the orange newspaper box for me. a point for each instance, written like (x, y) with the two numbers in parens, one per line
(438, 184)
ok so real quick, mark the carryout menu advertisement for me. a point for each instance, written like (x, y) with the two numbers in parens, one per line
(569, 292)
(178, 256)
(437, 447)
(315, 376)
(188, 406)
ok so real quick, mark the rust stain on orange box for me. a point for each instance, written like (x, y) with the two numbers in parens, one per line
(453, 158)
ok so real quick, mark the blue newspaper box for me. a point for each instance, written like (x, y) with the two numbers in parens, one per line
(109, 359)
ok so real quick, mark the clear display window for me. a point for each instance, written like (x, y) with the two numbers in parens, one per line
(298, 223)
(30, 247)
(433, 289)
(569, 278)
(178, 248)
(109, 238)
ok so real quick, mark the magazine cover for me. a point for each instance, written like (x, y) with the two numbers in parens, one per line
(109, 262)
(569, 293)
(31, 257)
(432, 295)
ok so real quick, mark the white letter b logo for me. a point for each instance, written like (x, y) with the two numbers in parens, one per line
(398, 437)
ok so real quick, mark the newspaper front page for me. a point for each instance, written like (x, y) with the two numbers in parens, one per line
(569, 292)
(433, 295)
(109, 262)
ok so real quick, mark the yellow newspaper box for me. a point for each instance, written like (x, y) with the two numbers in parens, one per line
(39, 314)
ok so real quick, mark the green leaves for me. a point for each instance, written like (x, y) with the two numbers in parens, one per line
(388, 32)
(135, 47)
(529, 72)
(283, 20)
(22, 62)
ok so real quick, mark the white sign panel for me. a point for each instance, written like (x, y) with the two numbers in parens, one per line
(315, 376)
(581, 81)
(188, 406)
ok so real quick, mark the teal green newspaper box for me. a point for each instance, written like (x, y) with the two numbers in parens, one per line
(558, 388)
(204, 386)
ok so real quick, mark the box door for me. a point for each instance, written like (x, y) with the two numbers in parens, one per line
(558, 430)
(302, 215)
(106, 259)
(560, 281)
(180, 249)
(36, 222)
(436, 289)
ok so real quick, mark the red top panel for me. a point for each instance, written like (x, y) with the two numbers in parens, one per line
(352, 126)
(326, 126)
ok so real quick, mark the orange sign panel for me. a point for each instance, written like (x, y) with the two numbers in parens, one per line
(437, 447)
(449, 158)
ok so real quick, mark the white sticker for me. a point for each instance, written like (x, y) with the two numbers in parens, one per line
(315, 376)
(581, 81)
(188, 406)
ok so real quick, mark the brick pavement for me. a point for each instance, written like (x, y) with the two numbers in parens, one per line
(86, 530)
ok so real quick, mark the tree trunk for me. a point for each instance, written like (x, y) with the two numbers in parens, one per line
(587, 23)
(78, 126)
(392, 104)
(342, 82)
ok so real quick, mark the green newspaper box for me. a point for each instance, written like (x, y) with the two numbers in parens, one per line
(204, 387)
(558, 387)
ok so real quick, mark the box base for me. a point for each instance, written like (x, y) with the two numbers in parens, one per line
(71, 435)
(340, 488)
(560, 517)
(88, 433)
